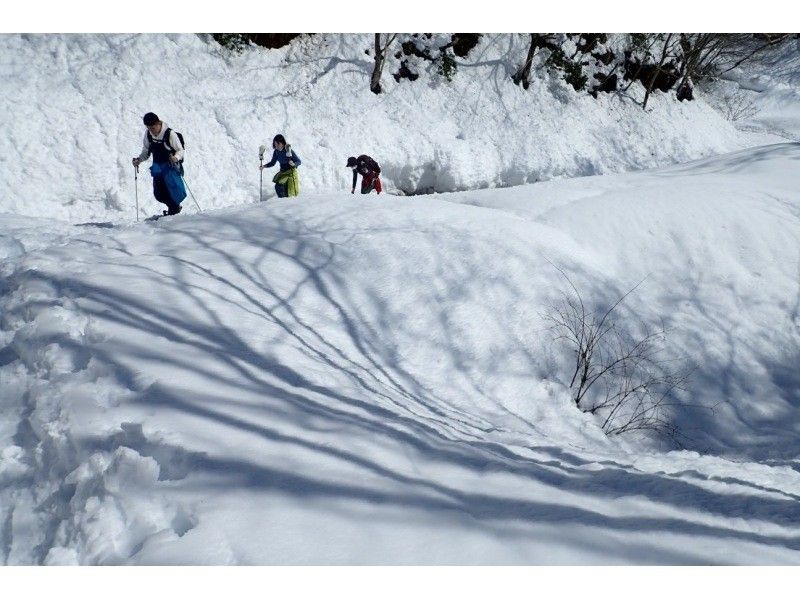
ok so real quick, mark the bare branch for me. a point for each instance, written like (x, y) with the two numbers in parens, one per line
(615, 376)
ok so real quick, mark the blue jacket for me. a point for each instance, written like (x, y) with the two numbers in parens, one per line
(283, 159)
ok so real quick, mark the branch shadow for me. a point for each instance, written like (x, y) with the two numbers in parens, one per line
(367, 392)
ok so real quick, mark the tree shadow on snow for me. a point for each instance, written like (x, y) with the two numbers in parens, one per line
(256, 391)
(732, 163)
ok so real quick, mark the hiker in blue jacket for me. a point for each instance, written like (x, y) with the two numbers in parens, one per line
(166, 147)
(287, 181)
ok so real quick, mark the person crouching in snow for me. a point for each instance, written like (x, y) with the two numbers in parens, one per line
(369, 171)
(287, 181)
(165, 146)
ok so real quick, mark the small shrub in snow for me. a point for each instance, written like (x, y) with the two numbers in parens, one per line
(621, 377)
(733, 102)
(447, 65)
(571, 68)
(738, 105)
(439, 49)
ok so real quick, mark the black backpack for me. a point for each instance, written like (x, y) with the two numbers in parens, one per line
(166, 140)
(369, 162)
(180, 137)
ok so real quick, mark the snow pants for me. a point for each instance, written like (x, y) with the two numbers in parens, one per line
(371, 181)
(168, 187)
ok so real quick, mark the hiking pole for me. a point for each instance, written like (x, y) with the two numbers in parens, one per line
(192, 194)
(179, 169)
(261, 151)
(136, 178)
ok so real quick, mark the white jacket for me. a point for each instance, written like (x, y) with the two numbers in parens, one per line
(174, 142)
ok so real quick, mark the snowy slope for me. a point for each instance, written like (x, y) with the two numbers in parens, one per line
(72, 108)
(336, 379)
(766, 92)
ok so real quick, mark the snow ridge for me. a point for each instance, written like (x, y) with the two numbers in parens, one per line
(288, 382)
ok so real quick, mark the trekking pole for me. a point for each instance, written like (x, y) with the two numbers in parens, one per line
(192, 194)
(136, 178)
(179, 170)
(261, 151)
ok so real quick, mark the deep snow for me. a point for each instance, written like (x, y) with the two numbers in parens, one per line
(341, 379)
(768, 92)
(77, 103)
(364, 380)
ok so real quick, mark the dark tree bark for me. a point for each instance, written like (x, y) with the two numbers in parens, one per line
(538, 40)
(380, 60)
(657, 71)
(524, 72)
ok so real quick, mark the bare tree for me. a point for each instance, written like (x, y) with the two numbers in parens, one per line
(758, 44)
(666, 53)
(381, 47)
(640, 46)
(737, 105)
(538, 40)
(707, 55)
(622, 379)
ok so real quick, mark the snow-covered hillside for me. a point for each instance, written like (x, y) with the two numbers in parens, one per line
(337, 379)
(765, 93)
(73, 104)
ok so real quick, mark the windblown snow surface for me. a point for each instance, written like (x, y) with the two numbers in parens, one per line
(337, 379)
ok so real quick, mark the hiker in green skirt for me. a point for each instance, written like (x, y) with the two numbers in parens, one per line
(287, 181)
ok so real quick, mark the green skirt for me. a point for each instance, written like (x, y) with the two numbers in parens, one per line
(291, 179)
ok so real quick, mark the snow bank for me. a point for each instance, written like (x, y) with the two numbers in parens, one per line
(764, 94)
(715, 245)
(72, 108)
(350, 380)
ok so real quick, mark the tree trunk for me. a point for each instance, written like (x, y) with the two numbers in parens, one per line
(657, 72)
(380, 59)
(521, 76)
